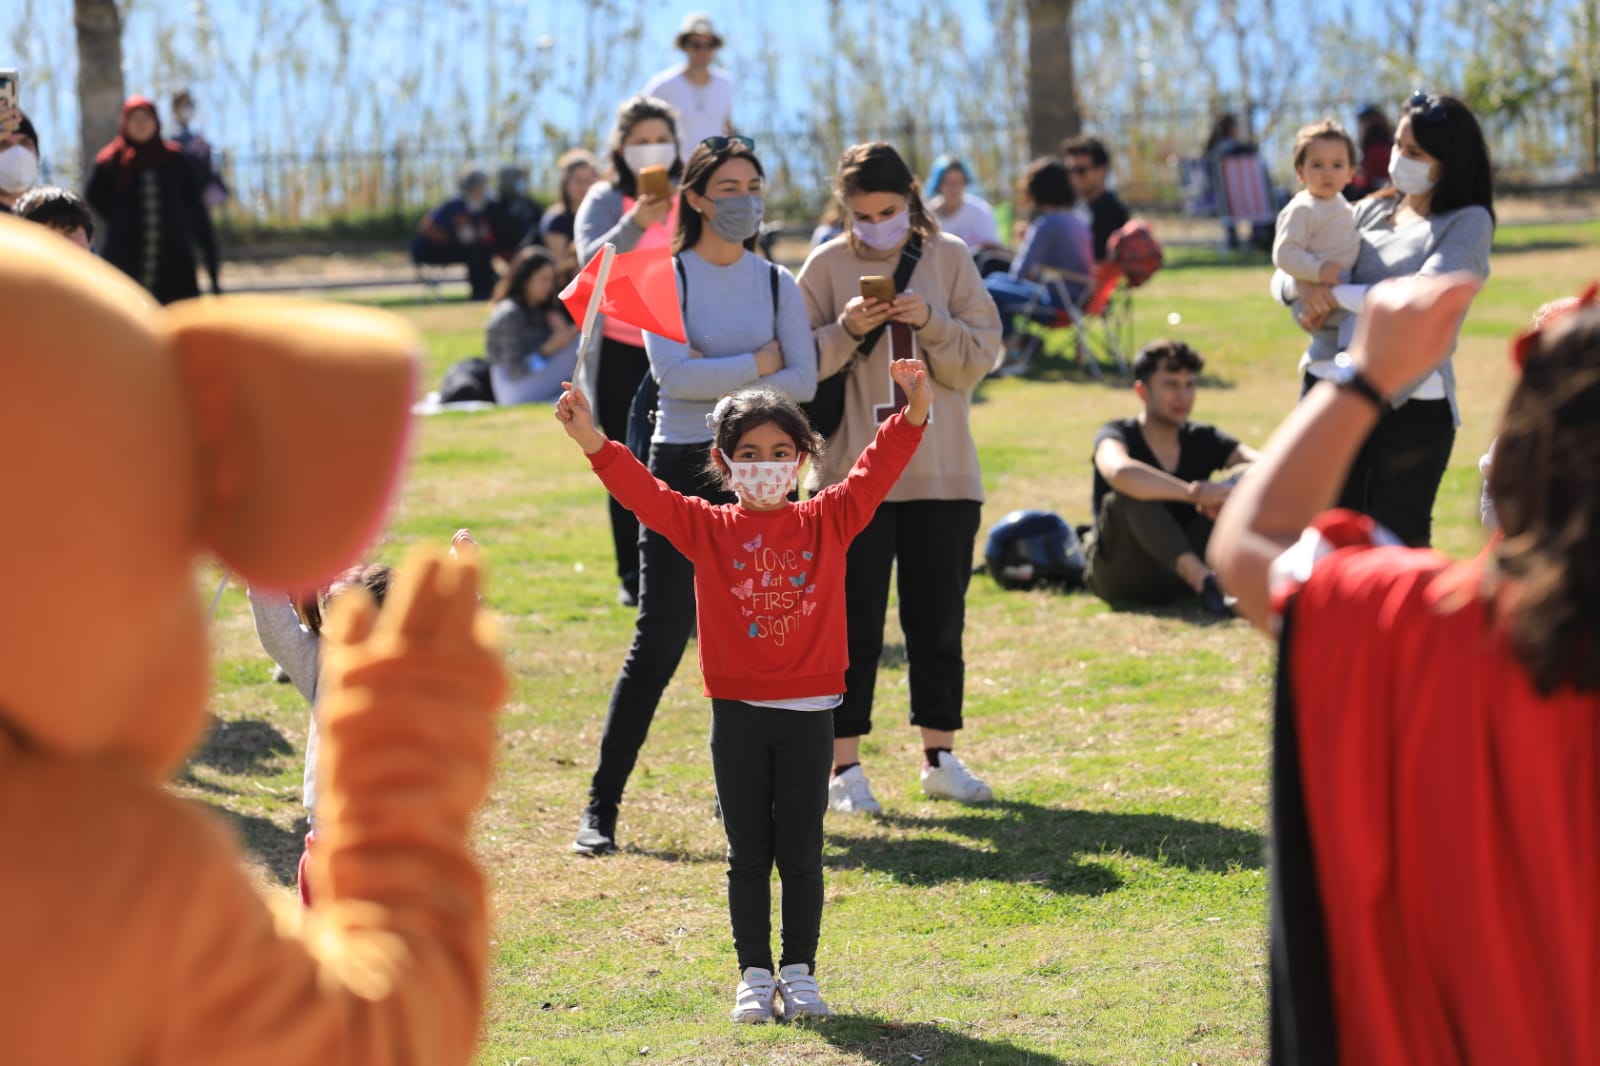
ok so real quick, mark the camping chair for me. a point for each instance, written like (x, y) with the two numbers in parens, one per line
(1243, 192)
(1092, 309)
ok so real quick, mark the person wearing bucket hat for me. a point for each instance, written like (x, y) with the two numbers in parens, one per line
(702, 96)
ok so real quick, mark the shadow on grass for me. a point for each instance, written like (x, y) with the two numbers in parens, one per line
(1025, 843)
(880, 1040)
(1546, 245)
(242, 746)
(1187, 609)
(275, 848)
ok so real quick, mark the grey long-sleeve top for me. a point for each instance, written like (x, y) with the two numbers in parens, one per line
(728, 315)
(298, 650)
(1438, 244)
(601, 219)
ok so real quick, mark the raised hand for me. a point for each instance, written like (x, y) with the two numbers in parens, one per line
(1406, 327)
(574, 413)
(912, 377)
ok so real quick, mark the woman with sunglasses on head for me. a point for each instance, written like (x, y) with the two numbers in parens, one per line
(926, 530)
(746, 323)
(1438, 217)
(618, 212)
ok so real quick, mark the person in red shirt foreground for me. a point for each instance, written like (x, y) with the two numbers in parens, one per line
(769, 601)
(1436, 775)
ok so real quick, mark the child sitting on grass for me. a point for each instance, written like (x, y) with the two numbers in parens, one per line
(769, 599)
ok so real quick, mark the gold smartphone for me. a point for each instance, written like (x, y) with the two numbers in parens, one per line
(877, 287)
(653, 182)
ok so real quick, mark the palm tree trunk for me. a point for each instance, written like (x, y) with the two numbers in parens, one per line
(100, 86)
(1052, 88)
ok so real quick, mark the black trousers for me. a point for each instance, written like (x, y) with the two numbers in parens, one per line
(660, 633)
(929, 543)
(1395, 477)
(622, 367)
(772, 769)
(478, 257)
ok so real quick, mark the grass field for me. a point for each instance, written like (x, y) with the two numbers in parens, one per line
(1110, 908)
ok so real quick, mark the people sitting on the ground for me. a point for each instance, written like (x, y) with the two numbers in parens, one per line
(197, 151)
(19, 156)
(457, 231)
(531, 341)
(1154, 500)
(579, 170)
(1057, 244)
(959, 211)
(1089, 165)
(701, 95)
(59, 209)
(513, 214)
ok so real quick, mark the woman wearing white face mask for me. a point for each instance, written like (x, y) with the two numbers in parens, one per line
(19, 157)
(645, 134)
(745, 322)
(927, 529)
(1437, 217)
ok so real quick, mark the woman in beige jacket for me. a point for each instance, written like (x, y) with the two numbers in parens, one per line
(929, 523)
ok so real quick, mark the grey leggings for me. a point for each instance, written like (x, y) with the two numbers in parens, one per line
(772, 769)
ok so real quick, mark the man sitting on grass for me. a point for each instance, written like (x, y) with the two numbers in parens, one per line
(1154, 500)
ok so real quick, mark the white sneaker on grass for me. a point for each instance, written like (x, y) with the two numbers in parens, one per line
(952, 781)
(798, 995)
(752, 1001)
(849, 793)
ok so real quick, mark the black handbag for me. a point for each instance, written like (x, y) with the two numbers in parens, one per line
(826, 408)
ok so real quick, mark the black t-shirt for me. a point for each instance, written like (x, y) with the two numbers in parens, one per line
(1202, 451)
(1107, 215)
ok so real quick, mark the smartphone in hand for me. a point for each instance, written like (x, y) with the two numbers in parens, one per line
(653, 181)
(876, 287)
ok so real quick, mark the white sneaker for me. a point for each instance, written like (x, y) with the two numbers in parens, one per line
(950, 780)
(798, 995)
(849, 793)
(752, 1001)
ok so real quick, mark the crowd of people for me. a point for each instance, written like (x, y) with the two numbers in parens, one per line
(700, 443)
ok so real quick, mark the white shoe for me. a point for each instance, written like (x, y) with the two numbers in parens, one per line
(950, 780)
(798, 995)
(752, 1001)
(849, 793)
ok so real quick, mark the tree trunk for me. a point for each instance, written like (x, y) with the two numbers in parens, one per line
(100, 86)
(1052, 88)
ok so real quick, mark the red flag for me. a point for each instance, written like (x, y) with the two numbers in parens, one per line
(640, 291)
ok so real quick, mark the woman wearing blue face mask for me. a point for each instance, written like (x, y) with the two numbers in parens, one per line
(1437, 217)
(926, 529)
(745, 322)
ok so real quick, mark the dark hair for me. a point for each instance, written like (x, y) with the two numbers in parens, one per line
(1545, 484)
(1445, 128)
(697, 175)
(1225, 128)
(569, 162)
(1093, 147)
(1325, 130)
(374, 577)
(1047, 184)
(1171, 356)
(633, 111)
(1373, 126)
(739, 412)
(877, 167)
(513, 285)
(58, 208)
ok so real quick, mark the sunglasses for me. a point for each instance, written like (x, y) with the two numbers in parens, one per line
(718, 144)
(701, 46)
(1429, 108)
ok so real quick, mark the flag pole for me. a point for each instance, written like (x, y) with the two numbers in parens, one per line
(592, 313)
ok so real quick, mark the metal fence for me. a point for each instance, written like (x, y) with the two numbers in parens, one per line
(1557, 141)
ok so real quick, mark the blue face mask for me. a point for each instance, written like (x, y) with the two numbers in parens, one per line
(882, 236)
(738, 217)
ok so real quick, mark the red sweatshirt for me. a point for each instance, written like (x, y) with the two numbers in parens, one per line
(768, 585)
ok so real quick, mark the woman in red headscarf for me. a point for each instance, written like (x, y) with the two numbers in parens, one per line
(152, 206)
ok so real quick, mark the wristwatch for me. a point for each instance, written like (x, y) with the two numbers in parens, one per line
(1347, 377)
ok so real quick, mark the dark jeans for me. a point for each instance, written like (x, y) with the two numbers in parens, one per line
(478, 257)
(622, 367)
(666, 617)
(929, 544)
(772, 784)
(1395, 477)
(1133, 554)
